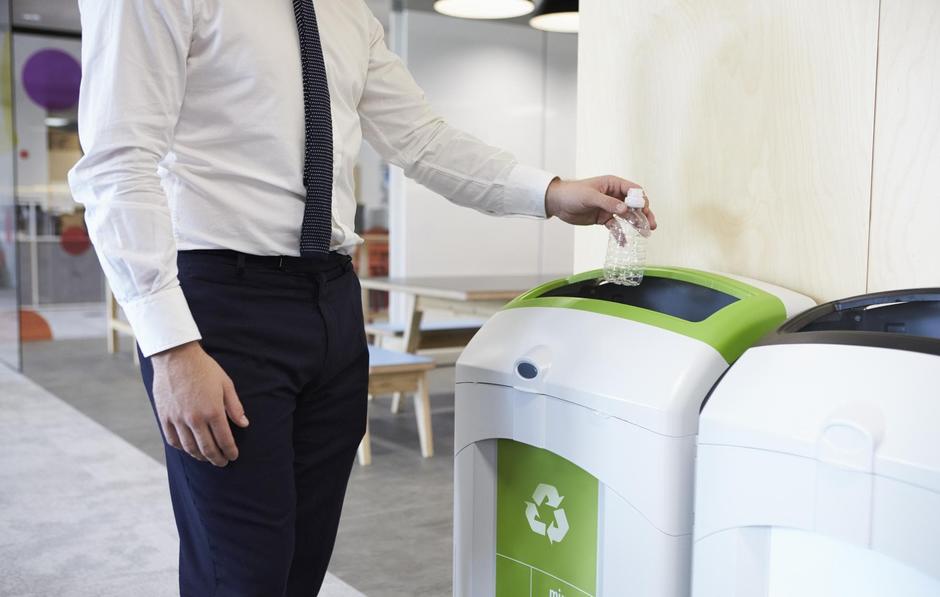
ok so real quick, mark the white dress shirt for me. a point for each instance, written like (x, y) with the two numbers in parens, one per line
(192, 121)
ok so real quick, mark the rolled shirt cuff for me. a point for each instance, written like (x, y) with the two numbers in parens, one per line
(525, 191)
(161, 321)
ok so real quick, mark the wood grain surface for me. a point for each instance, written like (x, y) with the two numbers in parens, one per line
(906, 183)
(750, 124)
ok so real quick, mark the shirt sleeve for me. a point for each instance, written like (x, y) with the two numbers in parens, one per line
(134, 56)
(398, 122)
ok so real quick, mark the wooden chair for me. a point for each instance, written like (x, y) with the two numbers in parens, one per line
(431, 335)
(117, 326)
(393, 372)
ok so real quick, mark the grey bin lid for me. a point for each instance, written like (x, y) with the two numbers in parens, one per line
(899, 319)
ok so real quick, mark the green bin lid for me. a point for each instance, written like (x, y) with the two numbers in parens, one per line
(725, 313)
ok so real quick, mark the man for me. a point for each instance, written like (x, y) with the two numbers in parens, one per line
(220, 138)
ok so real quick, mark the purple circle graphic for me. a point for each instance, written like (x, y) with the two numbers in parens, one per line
(52, 78)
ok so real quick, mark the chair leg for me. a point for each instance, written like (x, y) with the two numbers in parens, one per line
(112, 341)
(111, 315)
(365, 446)
(423, 416)
(396, 402)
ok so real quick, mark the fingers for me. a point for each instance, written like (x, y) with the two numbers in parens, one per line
(205, 438)
(169, 433)
(606, 203)
(649, 213)
(189, 443)
(211, 431)
(222, 434)
(619, 187)
(233, 406)
(193, 414)
(207, 446)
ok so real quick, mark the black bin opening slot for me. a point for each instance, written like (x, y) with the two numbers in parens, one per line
(894, 313)
(677, 298)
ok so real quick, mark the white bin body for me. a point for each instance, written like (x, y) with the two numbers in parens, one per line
(627, 419)
(818, 473)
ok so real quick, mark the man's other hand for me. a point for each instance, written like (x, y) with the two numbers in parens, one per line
(193, 395)
(591, 201)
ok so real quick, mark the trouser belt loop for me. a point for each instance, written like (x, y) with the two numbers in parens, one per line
(240, 262)
(322, 282)
(345, 266)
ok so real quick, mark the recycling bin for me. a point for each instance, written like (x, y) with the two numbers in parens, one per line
(819, 457)
(576, 414)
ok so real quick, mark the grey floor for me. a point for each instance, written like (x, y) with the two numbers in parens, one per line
(395, 534)
(83, 513)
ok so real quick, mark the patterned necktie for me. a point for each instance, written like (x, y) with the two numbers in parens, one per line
(318, 125)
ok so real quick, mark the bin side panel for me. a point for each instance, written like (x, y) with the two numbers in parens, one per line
(475, 520)
(635, 557)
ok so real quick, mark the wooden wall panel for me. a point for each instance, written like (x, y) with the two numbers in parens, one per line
(905, 234)
(749, 123)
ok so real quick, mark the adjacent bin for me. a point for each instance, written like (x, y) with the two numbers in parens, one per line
(576, 416)
(819, 457)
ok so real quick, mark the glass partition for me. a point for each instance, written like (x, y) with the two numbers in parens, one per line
(9, 307)
(58, 268)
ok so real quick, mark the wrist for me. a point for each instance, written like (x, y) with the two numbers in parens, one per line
(551, 197)
(182, 351)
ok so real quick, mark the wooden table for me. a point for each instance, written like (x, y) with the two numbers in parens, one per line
(474, 296)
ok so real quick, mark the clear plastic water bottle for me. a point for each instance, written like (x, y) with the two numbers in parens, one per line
(626, 247)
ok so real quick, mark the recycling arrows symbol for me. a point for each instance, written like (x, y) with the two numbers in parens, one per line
(558, 528)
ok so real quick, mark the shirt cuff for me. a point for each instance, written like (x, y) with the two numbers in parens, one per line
(525, 191)
(161, 321)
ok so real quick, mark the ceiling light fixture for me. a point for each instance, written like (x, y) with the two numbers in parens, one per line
(484, 9)
(557, 16)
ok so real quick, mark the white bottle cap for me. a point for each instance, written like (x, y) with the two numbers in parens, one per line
(635, 198)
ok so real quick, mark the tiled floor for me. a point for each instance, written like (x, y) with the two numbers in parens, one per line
(395, 535)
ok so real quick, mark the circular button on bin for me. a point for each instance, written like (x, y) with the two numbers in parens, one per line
(527, 370)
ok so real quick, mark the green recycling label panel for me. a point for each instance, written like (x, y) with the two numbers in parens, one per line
(546, 525)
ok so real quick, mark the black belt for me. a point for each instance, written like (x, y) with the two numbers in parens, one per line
(333, 264)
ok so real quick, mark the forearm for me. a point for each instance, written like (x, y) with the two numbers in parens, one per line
(473, 174)
(400, 125)
(134, 58)
(130, 226)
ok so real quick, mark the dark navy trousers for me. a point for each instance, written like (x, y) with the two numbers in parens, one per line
(290, 335)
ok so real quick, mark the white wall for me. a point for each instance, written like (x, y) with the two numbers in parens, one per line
(371, 193)
(513, 87)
